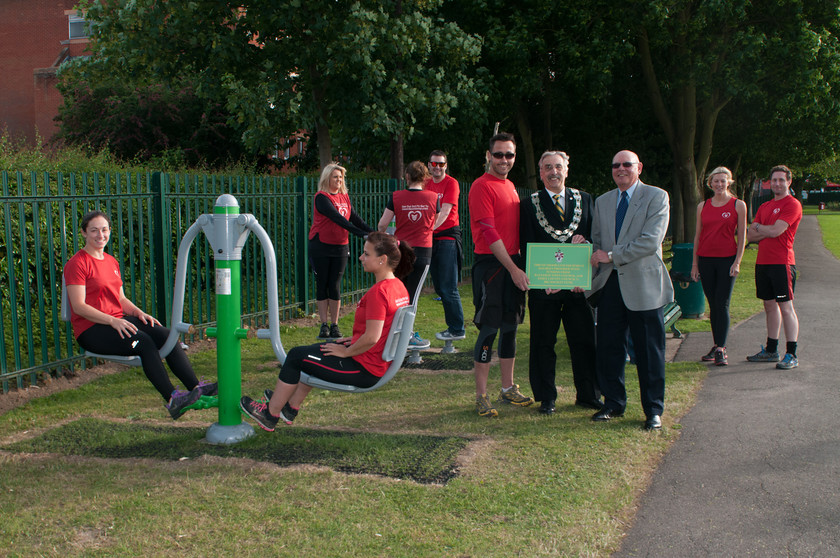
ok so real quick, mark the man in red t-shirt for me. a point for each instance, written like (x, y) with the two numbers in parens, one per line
(445, 267)
(499, 284)
(774, 229)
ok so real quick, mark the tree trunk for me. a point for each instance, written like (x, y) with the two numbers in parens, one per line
(524, 128)
(322, 127)
(396, 164)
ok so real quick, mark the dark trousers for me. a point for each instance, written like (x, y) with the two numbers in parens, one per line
(648, 334)
(717, 286)
(546, 312)
(104, 339)
(330, 368)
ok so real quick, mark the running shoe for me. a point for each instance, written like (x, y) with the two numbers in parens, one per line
(335, 333)
(790, 361)
(181, 399)
(764, 356)
(720, 357)
(258, 410)
(325, 331)
(417, 341)
(710, 356)
(448, 336)
(484, 407)
(513, 396)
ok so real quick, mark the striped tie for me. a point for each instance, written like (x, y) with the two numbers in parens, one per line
(558, 205)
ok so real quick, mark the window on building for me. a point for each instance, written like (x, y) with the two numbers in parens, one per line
(78, 27)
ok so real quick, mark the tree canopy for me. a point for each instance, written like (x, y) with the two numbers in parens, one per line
(685, 83)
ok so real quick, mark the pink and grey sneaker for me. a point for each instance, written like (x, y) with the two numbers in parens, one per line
(258, 410)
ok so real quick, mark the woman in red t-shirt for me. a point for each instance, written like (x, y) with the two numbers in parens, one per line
(333, 218)
(414, 211)
(355, 360)
(719, 243)
(104, 321)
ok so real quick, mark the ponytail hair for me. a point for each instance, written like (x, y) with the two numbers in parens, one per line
(400, 254)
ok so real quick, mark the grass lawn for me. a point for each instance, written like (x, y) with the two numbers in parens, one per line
(521, 484)
(830, 226)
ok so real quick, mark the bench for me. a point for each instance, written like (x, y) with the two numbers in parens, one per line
(670, 314)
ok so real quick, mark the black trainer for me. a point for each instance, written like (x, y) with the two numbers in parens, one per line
(325, 331)
(287, 414)
(258, 410)
(335, 333)
(181, 399)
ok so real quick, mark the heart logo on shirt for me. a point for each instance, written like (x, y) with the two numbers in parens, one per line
(726, 215)
(414, 215)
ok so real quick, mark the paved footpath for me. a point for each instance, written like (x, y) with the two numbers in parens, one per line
(756, 471)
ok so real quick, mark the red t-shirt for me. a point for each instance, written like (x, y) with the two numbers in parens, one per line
(778, 250)
(492, 198)
(380, 303)
(415, 212)
(717, 234)
(102, 282)
(448, 191)
(328, 231)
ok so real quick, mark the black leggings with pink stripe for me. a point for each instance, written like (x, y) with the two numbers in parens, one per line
(329, 368)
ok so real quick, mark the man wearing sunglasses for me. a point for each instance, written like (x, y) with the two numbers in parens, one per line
(632, 285)
(446, 246)
(499, 283)
(557, 214)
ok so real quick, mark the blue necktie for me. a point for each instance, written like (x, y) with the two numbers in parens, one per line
(620, 213)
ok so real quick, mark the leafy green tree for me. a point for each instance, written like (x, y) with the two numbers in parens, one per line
(699, 58)
(279, 67)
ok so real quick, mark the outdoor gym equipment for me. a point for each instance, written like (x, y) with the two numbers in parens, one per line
(226, 231)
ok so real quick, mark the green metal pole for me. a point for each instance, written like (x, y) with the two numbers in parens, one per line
(228, 331)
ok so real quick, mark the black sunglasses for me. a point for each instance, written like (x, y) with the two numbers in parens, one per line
(500, 155)
(625, 164)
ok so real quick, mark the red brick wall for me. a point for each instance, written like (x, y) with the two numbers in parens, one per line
(32, 36)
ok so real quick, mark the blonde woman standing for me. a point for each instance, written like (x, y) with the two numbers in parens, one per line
(329, 244)
(719, 243)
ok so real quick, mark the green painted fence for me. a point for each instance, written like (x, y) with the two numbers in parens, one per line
(150, 212)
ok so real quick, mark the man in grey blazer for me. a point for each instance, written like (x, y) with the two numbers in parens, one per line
(632, 285)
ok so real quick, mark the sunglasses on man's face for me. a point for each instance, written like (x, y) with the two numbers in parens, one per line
(437, 163)
(625, 164)
(500, 155)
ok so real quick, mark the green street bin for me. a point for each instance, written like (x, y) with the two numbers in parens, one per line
(687, 293)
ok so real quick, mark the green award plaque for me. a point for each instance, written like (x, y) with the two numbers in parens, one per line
(559, 266)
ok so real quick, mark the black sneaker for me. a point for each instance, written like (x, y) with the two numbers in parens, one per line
(208, 389)
(181, 399)
(335, 333)
(720, 357)
(710, 356)
(287, 414)
(325, 331)
(258, 410)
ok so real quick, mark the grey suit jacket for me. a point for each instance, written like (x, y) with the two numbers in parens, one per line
(637, 255)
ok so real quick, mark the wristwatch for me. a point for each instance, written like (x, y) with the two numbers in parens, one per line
(609, 255)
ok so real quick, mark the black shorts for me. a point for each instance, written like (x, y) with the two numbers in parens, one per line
(775, 281)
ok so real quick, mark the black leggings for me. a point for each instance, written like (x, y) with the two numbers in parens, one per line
(330, 368)
(104, 339)
(412, 280)
(717, 285)
(483, 350)
(328, 272)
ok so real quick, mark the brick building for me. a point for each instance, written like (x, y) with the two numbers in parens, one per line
(36, 37)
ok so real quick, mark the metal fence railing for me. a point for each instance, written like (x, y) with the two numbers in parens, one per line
(150, 212)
